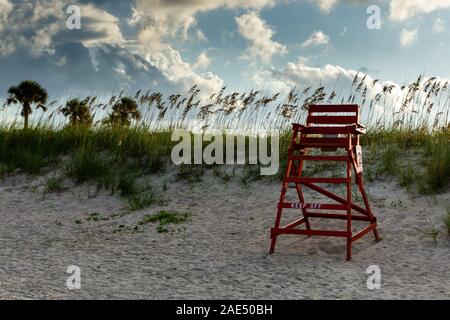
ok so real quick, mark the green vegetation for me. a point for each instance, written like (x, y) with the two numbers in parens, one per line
(53, 184)
(164, 218)
(84, 165)
(111, 145)
(124, 228)
(447, 222)
(133, 137)
(113, 157)
(419, 159)
(145, 199)
(433, 233)
(95, 216)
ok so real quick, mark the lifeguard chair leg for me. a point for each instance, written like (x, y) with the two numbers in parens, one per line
(273, 234)
(367, 205)
(300, 196)
(349, 210)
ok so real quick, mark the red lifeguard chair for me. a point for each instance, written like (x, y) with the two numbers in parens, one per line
(328, 128)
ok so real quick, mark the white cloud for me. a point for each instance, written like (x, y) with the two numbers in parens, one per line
(62, 61)
(42, 40)
(401, 10)
(27, 24)
(41, 10)
(300, 73)
(38, 25)
(259, 35)
(263, 79)
(200, 36)
(169, 61)
(5, 9)
(203, 61)
(38, 28)
(8, 45)
(408, 37)
(318, 38)
(102, 24)
(300, 76)
(326, 5)
(160, 20)
(438, 25)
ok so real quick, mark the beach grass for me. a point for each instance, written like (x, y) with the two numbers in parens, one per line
(408, 139)
(113, 157)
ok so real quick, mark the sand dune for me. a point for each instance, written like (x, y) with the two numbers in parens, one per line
(221, 251)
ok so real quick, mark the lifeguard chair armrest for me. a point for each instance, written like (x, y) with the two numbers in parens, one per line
(353, 129)
(360, 129)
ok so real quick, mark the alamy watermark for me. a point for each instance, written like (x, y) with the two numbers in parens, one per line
(73, 282)
(190, 149)
(374, 280)
(374, 20)
(73, 21)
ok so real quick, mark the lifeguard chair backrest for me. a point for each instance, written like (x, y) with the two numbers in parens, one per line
(329, 116)
(333, 115)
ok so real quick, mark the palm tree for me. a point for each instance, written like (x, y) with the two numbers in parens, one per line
(78, 112)
(123, 111)
(27, 93)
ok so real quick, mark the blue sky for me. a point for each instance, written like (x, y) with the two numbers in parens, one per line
(263, 44)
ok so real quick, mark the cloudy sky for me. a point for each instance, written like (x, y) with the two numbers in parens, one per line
(264, 44)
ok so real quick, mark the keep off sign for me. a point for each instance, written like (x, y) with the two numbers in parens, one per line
(359, 161)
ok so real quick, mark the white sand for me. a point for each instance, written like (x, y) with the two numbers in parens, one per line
(223, 251)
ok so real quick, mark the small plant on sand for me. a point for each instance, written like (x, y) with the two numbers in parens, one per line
(356, 195)
(164, 218)
(145, 199)
(447, 221)
(123, 228)
(433, 233)
(53, 184)
(95, 216)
